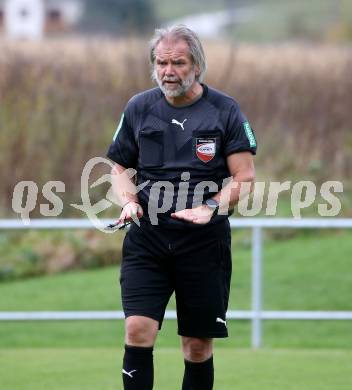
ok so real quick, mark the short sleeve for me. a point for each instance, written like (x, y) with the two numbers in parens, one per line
(124, 149)
(239, 135)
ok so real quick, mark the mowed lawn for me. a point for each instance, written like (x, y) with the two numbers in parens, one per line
(99, 369)
(306, 272)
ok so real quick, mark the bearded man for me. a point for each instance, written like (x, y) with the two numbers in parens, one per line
(192, 149)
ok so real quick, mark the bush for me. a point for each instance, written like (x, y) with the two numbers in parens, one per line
(36, 253)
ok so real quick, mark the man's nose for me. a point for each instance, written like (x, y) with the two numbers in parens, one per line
(169, 70)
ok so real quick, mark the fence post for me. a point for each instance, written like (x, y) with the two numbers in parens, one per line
(256, 286)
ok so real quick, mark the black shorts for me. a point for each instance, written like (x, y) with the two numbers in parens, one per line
(195, 263)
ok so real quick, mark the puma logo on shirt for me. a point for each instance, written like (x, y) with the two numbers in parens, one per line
(176, 122)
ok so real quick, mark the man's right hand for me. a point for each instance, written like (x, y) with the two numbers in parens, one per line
(130, 212)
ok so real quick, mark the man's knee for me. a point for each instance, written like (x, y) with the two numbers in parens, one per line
(140, 331)
(196, 349)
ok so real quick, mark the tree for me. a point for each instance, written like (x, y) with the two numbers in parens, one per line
(118, 16)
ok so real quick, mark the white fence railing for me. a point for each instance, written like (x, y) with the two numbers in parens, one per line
(256, 314)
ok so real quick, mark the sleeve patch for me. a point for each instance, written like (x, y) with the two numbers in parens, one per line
(118, 127)
(249, 134)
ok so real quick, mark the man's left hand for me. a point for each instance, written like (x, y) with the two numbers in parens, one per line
(199, 215)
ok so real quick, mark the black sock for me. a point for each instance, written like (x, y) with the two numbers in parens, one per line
(198, 376)
(138, 370)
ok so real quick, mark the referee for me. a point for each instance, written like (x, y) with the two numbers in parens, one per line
(192, 149)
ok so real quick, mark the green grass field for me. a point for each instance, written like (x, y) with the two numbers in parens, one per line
(308, 271)
(99, 369)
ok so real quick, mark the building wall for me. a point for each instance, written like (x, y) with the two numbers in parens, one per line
(24, 18)
(31, 19)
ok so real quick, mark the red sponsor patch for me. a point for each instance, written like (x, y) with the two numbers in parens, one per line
(205, 149)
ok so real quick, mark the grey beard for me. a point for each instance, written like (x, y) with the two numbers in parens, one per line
(181, 88)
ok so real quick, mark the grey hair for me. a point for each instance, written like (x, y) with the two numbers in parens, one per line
(181, 31)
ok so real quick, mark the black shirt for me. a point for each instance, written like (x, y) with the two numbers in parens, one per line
(163, 142)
